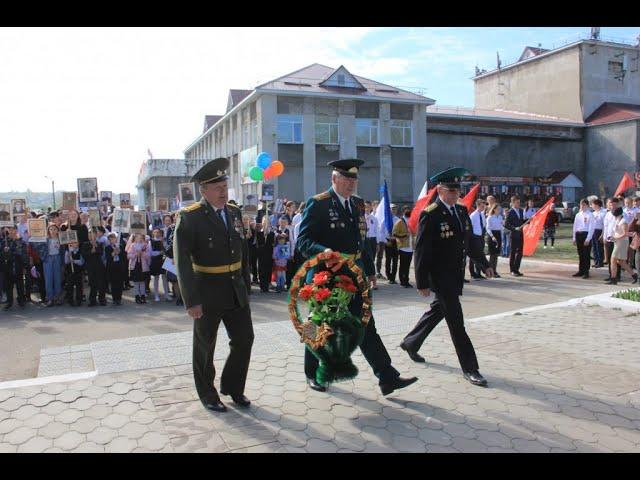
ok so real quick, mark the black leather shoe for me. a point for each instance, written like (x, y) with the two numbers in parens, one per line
(215, 405)
(315, 385)
(239, 400)
(519, 274)
(412, 355)
(577, 274)
(392, 282)
(398, 383)
(475, 378)
(586, 275)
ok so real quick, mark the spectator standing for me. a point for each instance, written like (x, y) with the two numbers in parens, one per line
(583, 229)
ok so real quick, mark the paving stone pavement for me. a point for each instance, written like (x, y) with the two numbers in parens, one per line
(560, 380)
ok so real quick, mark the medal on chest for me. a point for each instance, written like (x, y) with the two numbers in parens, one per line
(445, 230)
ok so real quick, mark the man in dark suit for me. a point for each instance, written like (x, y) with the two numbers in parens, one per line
(335, 221)
(514, 222)
(208, 253)
(441, 246)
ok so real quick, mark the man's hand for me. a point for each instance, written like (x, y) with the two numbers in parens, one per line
(489, 272)
(425, 292)
(195, 312)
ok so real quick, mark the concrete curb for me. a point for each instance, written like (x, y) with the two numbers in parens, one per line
(29, 382)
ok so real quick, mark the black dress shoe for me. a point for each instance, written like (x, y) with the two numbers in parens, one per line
(315, 385)
(475, 378)
(216, 405)
(392, 282)
(586, 275)
(519, 274)
(398, 383)
(239, 400)
(412, 354)
(577, 274)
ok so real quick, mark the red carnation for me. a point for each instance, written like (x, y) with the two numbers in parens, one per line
(322, 293)
(321, 278)
(344, 279)
(306, 292)
(349, 287)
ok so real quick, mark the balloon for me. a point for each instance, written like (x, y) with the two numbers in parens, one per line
(263, 160)
(277, 168)
(256, 174)
(267, 174)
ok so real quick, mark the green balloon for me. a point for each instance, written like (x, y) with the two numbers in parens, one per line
(256, 174)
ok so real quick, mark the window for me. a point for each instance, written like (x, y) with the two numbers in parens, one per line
(327, 130)
(615, 68)
(289, 128)
(366, 131)
(401, 133)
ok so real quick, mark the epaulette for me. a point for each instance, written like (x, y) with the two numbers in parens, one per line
(322, 196)
(192, 207)
(431, 207)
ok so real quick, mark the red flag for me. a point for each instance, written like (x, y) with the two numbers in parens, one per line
(532, 230)
(422, 202)
(470, 197)
(625, 184)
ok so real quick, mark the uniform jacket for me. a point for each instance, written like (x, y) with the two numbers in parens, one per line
(441, 246)
(201, 238)
(326, 224)
(513, 220)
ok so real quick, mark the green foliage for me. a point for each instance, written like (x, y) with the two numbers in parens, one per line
(632, 294)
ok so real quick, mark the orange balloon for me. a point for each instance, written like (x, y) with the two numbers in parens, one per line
(268, 173)
(276, 168)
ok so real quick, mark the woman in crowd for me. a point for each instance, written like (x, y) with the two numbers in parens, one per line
(51, 254)
(158, 247)
(495, 223)
(266, 240)
(621, 243)
(75, 223)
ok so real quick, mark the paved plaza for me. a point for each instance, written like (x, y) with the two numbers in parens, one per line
(561, 379)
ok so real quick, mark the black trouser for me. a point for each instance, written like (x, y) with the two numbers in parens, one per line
(237, 321)
(253, 262)
(476, 246)
(405, 264)
(391, 261)
(28, 282)
(40, 281)
(373, 245)
(265, 264)
(515, 257)
(495, 247)
(584, 254)
(291, 271)
(11, 279)
(115, 280)
(97, 283)
(598, 248)
(374, 352)
(379, 252)
(447, 306)
(609, 246)
(74, 282)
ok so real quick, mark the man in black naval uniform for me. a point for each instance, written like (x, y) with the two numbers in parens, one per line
(441, 246)
(208, 251)
(335, 221)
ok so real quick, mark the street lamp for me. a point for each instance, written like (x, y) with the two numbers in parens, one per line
(53, 191)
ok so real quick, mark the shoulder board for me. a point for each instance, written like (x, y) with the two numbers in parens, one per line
(357, 200)
(431, 207)
(192, 208)
(322, 196)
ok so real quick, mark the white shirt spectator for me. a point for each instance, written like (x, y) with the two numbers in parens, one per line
(372, 226)
(598, 218)
(529, 212)
(609, 226)
(629, 213)
(477, 222)
(583, 223)
(495, 222)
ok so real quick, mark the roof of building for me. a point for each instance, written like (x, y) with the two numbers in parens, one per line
(497, 114)
(210, 120)
(530, 52)
(559, 175)
(610, 112)
(320, 79)
(236, 96)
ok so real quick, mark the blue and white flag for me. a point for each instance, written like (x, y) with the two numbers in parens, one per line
(383, 212)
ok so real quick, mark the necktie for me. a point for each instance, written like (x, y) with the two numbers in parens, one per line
(346, 207)
(455, 215)
(482, 226)
(220, 213)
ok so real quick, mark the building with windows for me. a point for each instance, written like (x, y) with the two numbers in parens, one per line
(315, 115)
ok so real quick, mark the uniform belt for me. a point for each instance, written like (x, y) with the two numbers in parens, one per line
(353, 256)
(217, 269)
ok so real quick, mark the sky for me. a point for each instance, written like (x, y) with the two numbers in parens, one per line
(90, 102)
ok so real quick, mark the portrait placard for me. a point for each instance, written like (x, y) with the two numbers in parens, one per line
(162, 204)
(187, 193)
(5, 215)
(69, 201)
(121, 220)
(37, 229)
(68, 236)
(95, 219)
(125, 200)
(106, 196)
(18, 207)
(156, 219)
(138, 222)
(88, 189)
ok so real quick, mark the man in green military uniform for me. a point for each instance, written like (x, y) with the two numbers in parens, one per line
(335, 221)
(208, 246)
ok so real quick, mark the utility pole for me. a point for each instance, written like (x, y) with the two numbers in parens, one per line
(53, 191)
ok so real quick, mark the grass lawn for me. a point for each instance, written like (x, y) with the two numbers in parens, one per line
(632, 294)
(565, 251)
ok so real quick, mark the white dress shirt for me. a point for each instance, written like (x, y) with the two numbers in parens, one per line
(583, 223)
(495, 222)
(477, 222)
(372, 226)
(598, 219)
(529, 212)
(629, 213)
(609, 225)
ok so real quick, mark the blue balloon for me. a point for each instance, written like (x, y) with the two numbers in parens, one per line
(264, 160)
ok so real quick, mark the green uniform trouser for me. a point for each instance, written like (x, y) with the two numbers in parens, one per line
(237, 321)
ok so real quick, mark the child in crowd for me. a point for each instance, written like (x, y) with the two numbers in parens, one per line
(265, 240)
(139, 255)
(92, 253)
(115, 256)
(74, 267)
(281, 255)
(158, 248)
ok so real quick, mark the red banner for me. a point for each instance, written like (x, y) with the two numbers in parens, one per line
(422, 202)
(532, 230)
(470, 197)
(625, 184)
